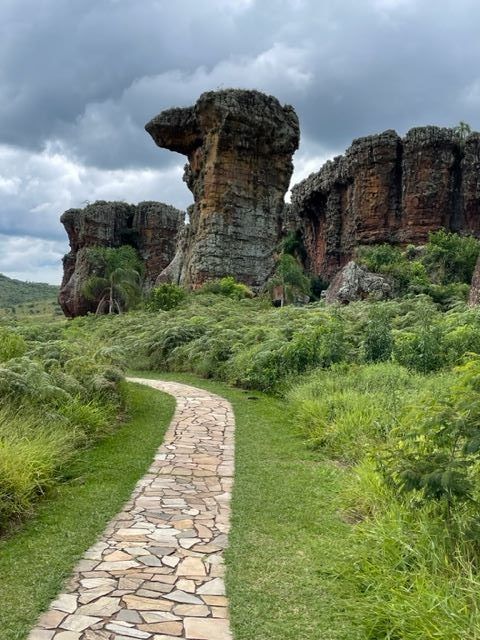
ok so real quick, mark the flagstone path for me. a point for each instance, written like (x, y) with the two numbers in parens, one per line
(157, 572)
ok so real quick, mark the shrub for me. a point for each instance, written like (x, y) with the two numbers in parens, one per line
(408, 275)
(228, 287)
(378, 341)
(437, 448)
(451, 258)
(421, 350)
(165, 297)
(291, 279)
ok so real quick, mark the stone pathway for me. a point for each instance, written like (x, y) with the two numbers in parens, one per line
(157, 572)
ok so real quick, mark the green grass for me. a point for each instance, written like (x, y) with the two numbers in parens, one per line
(36, 560)
(286, 540)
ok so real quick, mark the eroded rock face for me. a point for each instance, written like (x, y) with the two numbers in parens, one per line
(389, 189)
(474, 296)
(353, 283)
(239, 146)
(151, 227)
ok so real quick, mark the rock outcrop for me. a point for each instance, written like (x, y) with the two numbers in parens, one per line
(389, 189)
(353, 283)
(474, 295)
(150, 227)
(239, 146)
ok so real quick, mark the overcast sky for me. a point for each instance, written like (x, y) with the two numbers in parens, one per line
(79, 79)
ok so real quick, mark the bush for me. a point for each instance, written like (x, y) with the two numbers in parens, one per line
(229, 287)
(165, 297)
(378, 341)
(436, 452)
(451, 258)
(408, 275)
(420, 350)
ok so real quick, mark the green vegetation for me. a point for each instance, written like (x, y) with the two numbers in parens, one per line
(165, 297)
(356, 505)
(116, 283)
(36, 560)
(442, 269)
(15, 292)
(228, 287)
(286, 537)
(58, 397)
(290, 280)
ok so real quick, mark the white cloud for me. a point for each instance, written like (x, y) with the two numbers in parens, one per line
(35, 189)
(33, 259)
(38, 187)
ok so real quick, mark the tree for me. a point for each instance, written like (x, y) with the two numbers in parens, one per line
(116, 284)
(462, 130)
(291, 280)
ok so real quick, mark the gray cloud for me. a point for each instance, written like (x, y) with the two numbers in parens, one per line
(79, 79)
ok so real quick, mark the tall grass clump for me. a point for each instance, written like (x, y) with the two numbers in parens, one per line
(33, 449)
(57, 397)
(410, 448)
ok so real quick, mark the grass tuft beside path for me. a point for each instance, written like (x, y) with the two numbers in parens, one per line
(35, 561)
(284, 571)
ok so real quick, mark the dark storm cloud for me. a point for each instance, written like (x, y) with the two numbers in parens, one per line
(79, 78)
(74, 70)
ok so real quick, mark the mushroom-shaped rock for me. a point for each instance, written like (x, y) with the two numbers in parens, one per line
(239, 146)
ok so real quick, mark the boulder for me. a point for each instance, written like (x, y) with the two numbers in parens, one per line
(353, 283)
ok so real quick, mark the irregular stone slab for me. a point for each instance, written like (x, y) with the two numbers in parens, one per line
(78, 622)
(207, 629)
(143, 580)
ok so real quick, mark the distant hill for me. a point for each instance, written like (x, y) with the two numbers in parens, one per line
(14, 292)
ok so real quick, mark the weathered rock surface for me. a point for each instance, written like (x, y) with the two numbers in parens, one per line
(151, 227)
(389, 189)
(353, 283)
(239, 146)
(474, 296)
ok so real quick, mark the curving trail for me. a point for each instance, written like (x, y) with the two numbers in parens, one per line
(157, 571)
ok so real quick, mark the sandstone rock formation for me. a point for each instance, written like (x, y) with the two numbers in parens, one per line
(151, 227)
(353, 283)
(474, 295)
(389, 189)
(239, 146)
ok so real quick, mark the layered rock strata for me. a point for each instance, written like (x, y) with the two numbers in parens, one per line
(151, 228)
(239, 146)
(389, 189)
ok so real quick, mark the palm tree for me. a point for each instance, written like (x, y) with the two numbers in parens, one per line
(120, 285)
(116, 292)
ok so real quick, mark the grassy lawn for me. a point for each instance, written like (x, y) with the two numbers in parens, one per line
(283, 578)
(35, 561)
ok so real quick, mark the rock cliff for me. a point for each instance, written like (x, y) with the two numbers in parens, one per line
(239, 146)
(389, 189)
(151, 227)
